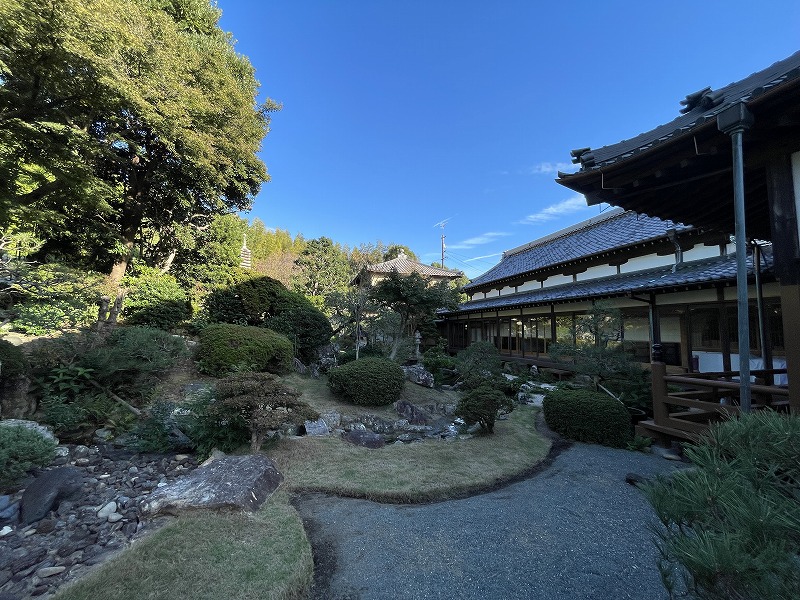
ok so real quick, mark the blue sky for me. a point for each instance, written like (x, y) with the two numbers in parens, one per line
(400, 115)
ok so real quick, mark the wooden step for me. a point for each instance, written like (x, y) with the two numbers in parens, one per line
(663, 433)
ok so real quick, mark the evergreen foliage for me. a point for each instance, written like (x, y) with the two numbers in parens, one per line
(481, 406)
(79, 374)
(22, 449)
(440, 364)
(155, 299)
(478, 362)
(588, 416)
(263, 403)
(732, 523)
(414, 300)
(124, 121)
(265, 302)
(368, 381)
(225, 348)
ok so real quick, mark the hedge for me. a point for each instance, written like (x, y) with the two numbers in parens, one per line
(588, 416)
(368, 381)
(225, 348)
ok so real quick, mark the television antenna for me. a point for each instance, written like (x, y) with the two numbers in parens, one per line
(441, 224)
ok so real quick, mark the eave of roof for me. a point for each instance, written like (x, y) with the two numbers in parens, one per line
(709, 104)
(404, 266)
(695, 275)
(621, 231)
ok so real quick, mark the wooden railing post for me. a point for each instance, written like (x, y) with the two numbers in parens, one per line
(660, 413)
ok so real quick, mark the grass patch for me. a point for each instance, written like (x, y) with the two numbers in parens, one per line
(419, 472)
(317, 393)
(210, 556)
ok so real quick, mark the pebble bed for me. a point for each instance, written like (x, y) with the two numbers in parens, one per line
(37, 559)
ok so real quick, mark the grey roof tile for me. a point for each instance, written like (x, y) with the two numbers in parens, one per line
(614, 233)
(702, 272)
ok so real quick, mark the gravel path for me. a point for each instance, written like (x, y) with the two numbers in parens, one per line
(574, 530)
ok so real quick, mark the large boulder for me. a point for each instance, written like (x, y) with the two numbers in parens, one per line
(412, 413)
(15, 400)
(367, 439)
(226, 483)
(47, 491)
(317, 428)
(417, 374)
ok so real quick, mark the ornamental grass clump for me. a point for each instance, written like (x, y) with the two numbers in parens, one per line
(731, 524)
(588, 416)
(368, 381)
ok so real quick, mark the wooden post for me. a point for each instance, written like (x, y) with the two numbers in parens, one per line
(658, 371)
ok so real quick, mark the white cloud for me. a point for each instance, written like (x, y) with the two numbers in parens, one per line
(550, 168)
(482, 257)
(567, 207)
(485, 238)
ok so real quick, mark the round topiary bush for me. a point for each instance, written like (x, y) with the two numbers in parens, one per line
(368, 381)
(225, 348)
(588, 416)
(481, 405)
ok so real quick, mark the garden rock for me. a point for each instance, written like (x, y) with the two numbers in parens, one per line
(417, 374)
(367, 439)
(332, 419)
(47, 491)
(230, 482)
(74, 537)
(317, 428)
(413, 414)
(15, 402)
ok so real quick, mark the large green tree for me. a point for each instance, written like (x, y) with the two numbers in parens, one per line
(324, 269)
(124, 118)
(414, 300)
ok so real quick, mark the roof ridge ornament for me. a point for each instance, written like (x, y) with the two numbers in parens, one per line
(705, 99)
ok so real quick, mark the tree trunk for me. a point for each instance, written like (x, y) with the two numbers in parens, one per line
(131, 223)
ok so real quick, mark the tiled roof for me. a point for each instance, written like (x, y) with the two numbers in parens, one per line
(697, 273)
(703, 106)
(619, 230)
(403, 265)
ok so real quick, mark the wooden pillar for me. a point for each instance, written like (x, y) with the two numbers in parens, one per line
(552, 323)
(724, 332)
(783, 187)
(790, 304)
(658, 371)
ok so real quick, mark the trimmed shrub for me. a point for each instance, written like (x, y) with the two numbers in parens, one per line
(478, 362)
(368, 381)
(731, 524)
(588, 416)
(12, 361)
(225, 348)
(305, 326)
(209, 425)
(155, 299)
(22, 449)
(265, 302)
(263, 403)
(481, 405)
